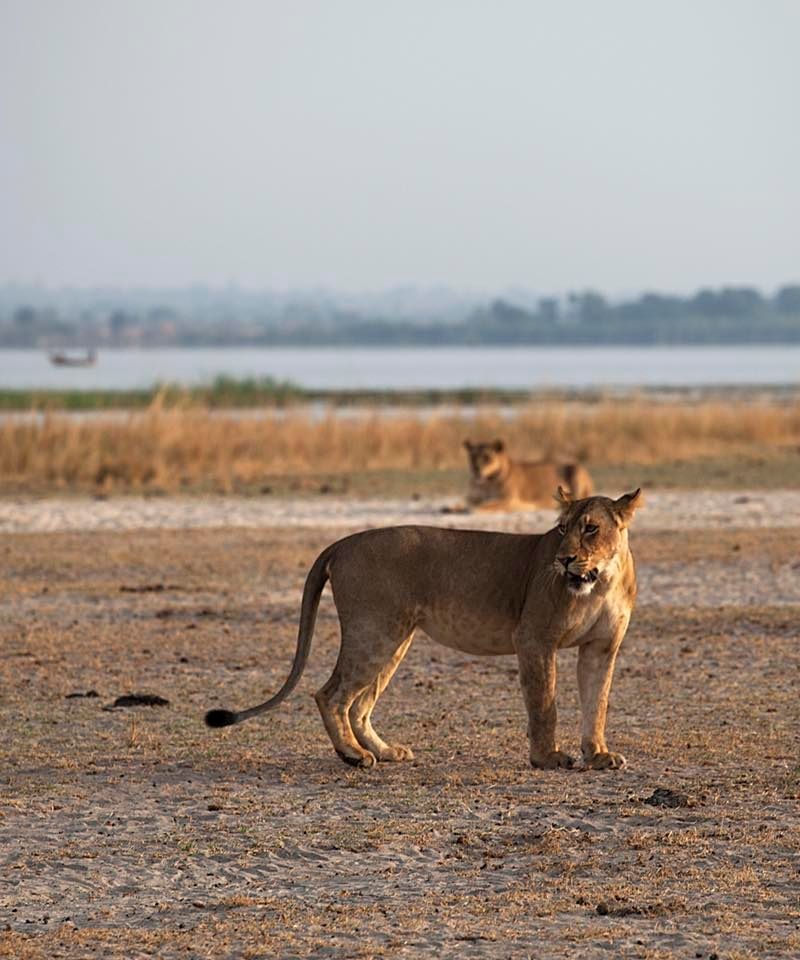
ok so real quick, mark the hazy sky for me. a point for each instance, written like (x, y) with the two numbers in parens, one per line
(622, 144)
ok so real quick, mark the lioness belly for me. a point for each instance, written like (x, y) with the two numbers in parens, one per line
(460, 631)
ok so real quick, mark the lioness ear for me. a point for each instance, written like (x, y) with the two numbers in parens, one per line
(499, 446)
(467, 444)
(563, 497)
(627, 505)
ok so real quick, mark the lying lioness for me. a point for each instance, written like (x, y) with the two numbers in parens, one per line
(499, 483)
(483, 593)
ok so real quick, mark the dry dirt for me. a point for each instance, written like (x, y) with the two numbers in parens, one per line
(137, 832)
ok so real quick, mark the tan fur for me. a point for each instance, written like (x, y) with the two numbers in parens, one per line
(483, 593)
(499, 483)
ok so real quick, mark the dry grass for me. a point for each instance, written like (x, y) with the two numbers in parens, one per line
(168, 449)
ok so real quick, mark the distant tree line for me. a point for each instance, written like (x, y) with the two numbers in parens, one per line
(730, 315)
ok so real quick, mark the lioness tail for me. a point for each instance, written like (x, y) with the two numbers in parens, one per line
(315, 582)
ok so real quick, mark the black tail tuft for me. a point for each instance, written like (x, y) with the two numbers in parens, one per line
(220, 718)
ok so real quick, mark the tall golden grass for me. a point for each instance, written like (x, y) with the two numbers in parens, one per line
(172, 448)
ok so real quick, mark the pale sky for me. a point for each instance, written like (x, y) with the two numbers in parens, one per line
(361, 144)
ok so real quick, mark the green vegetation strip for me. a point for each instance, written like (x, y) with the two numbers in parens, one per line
(252, 393)
(229, 393)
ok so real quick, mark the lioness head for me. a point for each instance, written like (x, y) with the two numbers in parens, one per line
(593, 531)
(486, 460)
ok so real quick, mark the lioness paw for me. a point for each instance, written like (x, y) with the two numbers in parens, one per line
(605, 761)
(554, 760)
(396, 752)
(364, 759)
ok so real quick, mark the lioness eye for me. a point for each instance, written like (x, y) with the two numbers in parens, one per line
(591, 528)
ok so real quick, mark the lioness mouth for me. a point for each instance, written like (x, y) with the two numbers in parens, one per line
(575, 579)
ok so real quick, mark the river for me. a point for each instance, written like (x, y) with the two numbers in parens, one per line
(416, 368)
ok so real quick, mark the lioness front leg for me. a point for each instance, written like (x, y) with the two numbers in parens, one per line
(494, 506)
(456, 508)
(537, 673)
(595, 671)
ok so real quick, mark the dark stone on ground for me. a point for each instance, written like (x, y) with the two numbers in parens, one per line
(664, 797)
(140, 700)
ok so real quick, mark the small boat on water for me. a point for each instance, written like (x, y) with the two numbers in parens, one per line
(62, 358)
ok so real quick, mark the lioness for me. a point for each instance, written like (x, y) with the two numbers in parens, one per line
(499, 483)
(483, 593)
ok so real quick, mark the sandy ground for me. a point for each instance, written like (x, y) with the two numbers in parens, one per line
(672, 510)
(137, 832)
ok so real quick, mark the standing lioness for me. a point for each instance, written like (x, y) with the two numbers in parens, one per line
(483, 593)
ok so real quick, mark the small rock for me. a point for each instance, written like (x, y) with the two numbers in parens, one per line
(664, 797)
(140, 700)
(88, 694)
(602, 908)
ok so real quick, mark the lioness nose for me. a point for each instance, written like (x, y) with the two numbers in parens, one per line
(566, 561)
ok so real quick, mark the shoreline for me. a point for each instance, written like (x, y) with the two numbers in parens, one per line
(265, 395)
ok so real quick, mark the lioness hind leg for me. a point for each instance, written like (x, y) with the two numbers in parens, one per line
(363, 656)
(361, 712)
(334, 701)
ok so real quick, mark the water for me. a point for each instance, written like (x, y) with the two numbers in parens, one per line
(416, 368)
